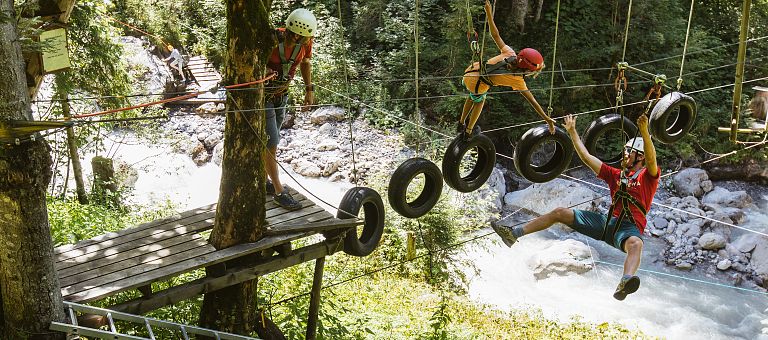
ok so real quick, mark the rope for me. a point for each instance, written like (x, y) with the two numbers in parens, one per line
(349, 104)
(685, 47)
(133, 28)
(626, 31)
(554, 57)
(195, 94)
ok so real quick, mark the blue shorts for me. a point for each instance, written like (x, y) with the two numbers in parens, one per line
(591, 224)
(275, 113)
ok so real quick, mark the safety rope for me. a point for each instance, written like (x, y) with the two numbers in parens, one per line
(685, 47)
(350, 116)
(554, 58)
(626, 31)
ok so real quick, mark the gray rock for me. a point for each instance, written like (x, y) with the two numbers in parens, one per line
(688, 182)
(725, 198)
(327, 114)
(712, 241)
(684, 265)
(707, 186)
(746, 243)
(327, 145)
(660, 222)
(724, 264)
(218, 153)
(543, 197)
(562, 258)
(327, 129)
(759, 259)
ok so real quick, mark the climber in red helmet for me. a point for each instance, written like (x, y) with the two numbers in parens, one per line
(506, 69)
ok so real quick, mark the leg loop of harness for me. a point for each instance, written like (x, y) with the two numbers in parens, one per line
(477, 98)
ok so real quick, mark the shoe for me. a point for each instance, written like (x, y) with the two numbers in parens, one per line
(270, 188)
(505, 233)
(475, 131)
(626, 286)
(286, 201)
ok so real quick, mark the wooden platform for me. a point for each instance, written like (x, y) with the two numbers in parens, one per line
(132, 258)
(203, 72)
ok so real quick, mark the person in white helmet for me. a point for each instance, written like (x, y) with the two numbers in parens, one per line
(294, 51)
(632, 190)
(177, 61)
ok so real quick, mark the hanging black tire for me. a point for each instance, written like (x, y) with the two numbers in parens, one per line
(486, 159)
(525, 149)
(398, 187)
(598, 129)
(369, 200)
(672, 117)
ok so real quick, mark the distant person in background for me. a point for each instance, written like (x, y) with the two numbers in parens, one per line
(759, 105)
(177, 61)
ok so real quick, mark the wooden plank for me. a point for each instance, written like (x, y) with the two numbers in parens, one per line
(148, 236)
(231, 277)
(120, 261)
(144, 237)
(149, 225)
(313, 226)
(134, 276)
(155, 271)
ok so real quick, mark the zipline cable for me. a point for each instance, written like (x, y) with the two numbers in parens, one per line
(350, 116)
(554, 58)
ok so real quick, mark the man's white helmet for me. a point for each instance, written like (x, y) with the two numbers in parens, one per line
(635, 144)
(301, 22)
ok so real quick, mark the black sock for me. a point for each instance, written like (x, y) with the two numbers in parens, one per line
(518, 231)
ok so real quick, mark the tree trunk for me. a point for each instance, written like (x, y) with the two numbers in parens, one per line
(74, 156)
(240, 215)
(31, 297)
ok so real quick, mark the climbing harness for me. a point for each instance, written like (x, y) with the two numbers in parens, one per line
(623, 197)
(280, 83)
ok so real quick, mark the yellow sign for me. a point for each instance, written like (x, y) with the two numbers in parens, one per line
(55, 56)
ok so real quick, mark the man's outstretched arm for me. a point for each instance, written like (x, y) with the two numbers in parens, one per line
(591, 161)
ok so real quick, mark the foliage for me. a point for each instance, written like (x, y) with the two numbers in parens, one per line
(72, 222)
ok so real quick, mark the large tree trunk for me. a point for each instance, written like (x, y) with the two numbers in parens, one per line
(240, 215)
(31, 298)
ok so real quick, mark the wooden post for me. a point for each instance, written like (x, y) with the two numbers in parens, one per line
(314, 299)
(740, 69)
(74, 156)
(410, 246)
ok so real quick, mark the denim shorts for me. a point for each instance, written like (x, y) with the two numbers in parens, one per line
(275, 113)
(591, 224)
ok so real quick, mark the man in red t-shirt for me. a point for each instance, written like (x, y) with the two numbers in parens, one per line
(642, 179)
(293, 51)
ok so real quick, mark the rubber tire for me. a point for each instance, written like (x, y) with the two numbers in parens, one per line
(368, 199)
(599, 127)
(662, 112)
(555, 166)
(403, 176)
(486, 160)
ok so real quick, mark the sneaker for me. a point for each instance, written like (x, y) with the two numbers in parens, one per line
(505, 233)
(627, 285)
(270, 188)
(475, 131)
(286, 201)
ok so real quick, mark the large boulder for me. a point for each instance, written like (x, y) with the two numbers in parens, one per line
(725, 198)
(759, 260)
(746, 243)
(562, 258)
(541, 198)
(712, 241)
(689, 182)
(327, 114)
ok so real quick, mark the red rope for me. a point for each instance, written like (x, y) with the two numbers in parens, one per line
(186, 96)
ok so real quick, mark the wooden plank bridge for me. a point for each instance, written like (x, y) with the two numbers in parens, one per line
(134, 258)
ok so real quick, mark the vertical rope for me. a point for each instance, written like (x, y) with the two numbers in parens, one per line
(416, 73)
(685, 47)
(554, 57)
(626, 31)
(349, 99)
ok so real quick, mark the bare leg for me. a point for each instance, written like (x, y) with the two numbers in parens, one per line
(562, 215)
(270, 165)
(465, 111)
(476, 109)
(634, 248)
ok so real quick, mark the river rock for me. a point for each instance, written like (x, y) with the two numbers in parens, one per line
(712, 241)
(495, 189)
(725, 198)
(688, 182)
(218, 153)
(327, 114)
(562, 258)
(759, 259)
(544, 197)
(745, 243)
(724, 264)
(306, 168)
(684, 265)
